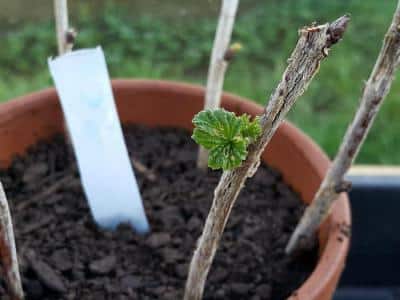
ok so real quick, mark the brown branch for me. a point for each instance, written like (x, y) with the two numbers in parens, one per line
(312, 47)
(374, 93)
(46, 192)
(8, 250)
(141, 168)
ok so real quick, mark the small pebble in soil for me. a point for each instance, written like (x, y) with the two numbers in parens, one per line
(63, 255)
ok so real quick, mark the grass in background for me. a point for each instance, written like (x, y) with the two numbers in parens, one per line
(169, 48)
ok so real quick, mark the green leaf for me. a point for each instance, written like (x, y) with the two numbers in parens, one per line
(225, 135)
(227, 156)
(250, 129)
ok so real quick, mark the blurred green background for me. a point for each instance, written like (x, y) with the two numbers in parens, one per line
(172, 40)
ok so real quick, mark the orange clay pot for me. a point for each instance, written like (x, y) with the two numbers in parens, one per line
(30, 118)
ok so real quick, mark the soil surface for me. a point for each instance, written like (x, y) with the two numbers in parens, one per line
(63, 255)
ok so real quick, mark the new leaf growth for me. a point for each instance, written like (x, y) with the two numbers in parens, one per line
(226, 136)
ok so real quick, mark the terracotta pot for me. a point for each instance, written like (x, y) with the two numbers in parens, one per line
(38, 116)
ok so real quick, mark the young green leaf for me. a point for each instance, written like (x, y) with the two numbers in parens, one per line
(225, 135)
(250, 129)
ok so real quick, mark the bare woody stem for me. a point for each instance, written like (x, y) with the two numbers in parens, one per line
(65, 38)
(218, 65)
(377, 87)
(65, 35)
(312, 47)
(374, 93)
(8, 252)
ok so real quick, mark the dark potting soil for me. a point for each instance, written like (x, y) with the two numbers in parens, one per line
(63, 255)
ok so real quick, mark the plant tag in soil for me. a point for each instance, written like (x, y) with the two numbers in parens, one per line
(83, 85)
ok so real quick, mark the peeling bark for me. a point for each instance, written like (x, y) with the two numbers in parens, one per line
(375, 91)
(218, 65)
(312, 47)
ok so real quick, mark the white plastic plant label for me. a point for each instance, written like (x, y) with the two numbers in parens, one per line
(83, 85)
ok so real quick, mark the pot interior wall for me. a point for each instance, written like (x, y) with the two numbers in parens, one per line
(36, 119)
(38, 116)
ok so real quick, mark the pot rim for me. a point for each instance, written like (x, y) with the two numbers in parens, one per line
(333, 251)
